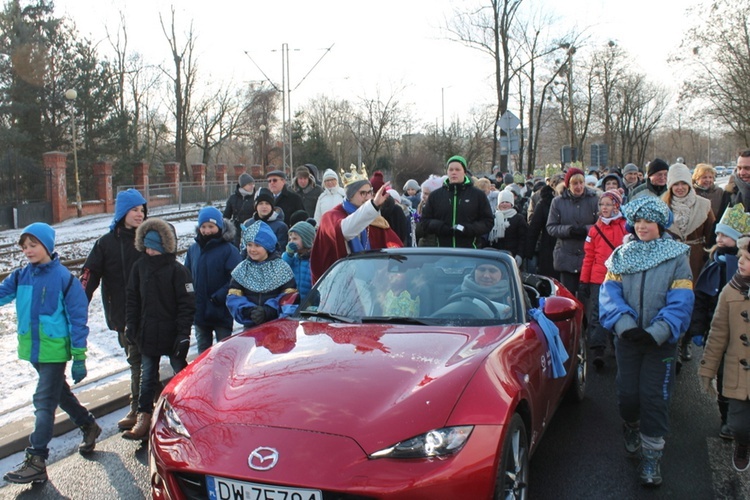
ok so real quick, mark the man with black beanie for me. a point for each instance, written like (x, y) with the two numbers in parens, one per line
(656, 184)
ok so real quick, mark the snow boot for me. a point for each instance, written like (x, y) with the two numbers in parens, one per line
(32, 470)
(139, 432)
(128, 421)
(90, 431)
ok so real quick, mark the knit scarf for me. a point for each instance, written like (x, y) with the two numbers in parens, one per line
(607, 220)
(686, 218)
(636, 255)
(262, 276)
(496, 293)
(502, 222)
(740, 283)
(359, 243)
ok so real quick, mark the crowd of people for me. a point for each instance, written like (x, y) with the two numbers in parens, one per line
(657, 260)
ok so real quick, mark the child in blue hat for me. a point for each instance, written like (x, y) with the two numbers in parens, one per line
(211, 260)
(646, 300)
(263, 286)
(52, 314)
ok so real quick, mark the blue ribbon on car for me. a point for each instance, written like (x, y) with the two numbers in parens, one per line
(557, 351)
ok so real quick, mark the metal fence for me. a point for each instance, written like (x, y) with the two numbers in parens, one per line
(187, 192)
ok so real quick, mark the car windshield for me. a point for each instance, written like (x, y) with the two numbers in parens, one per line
(419, 288)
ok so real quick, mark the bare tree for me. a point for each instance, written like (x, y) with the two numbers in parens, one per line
(718, 52)
(183, 83)
(488, 29)
(217, 118)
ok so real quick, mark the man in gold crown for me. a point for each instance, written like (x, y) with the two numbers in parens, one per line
(353, 226)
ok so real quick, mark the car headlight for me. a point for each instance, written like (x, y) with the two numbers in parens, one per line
(435, 443)
(172, 420)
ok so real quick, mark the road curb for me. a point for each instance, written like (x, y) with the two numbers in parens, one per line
(100, 401)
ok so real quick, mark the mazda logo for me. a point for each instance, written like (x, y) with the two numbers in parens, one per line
(263, 458)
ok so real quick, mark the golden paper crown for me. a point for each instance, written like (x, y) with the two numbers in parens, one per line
(352, 176)
(734, 219)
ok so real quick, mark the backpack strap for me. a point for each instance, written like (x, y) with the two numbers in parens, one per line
(605, 238)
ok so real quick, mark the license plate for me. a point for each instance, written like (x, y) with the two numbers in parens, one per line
(220, 488)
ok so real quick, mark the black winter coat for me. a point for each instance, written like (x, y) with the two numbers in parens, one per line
(160, 304)
(238, 209)
(515, 237)
(457, 204)
(110, 263)
(538, 240)
(308, 195)
(289, 202)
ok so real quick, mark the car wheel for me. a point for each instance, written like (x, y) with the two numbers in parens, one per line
(577, 390)
(513, 472)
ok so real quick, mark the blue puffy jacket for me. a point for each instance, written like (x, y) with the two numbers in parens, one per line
(52, 311)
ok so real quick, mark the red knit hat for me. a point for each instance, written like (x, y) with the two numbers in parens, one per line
(614, 195)
(570, 173)
(377, 180)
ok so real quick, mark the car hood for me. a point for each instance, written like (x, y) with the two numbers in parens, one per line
(377, 384)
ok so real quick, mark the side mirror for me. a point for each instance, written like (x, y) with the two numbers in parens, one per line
(560, 308)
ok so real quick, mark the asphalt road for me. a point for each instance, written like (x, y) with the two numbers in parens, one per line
(581, 456)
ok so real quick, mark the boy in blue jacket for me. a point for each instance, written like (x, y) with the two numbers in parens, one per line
(262, 287)
(52, 311)
(297, 255)
(211, 260)
(646, 300)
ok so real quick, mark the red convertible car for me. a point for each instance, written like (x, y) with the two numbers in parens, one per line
(419, 373)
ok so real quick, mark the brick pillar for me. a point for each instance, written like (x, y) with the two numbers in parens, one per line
(221, 173)
(239, 169)
(57, 191)
(199, 174)
(103, 174)
(172, 174)
(140, 178)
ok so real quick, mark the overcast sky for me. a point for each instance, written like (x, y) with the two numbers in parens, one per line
(385, 45)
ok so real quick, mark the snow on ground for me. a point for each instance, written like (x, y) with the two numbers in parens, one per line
(106, 359)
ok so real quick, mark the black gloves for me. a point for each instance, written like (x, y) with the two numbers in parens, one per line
(579, 232)
(130, 336)
(639, 336)
(584, 292)
(258, 315)
(181, 346)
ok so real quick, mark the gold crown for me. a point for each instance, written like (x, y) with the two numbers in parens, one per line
(736, 218)
(352, 176)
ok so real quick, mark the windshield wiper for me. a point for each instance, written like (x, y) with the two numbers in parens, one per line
(327, 315)
(396, 320)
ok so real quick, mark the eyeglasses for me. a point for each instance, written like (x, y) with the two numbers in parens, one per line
(365, 193)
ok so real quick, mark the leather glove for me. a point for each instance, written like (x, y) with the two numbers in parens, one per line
(707, 386)
(698, 340)
(258, 315)
(584, 292)
(579, 232)
(181, 346)
(291, 248)
(78, 370)
(639, 336)
(130, 336)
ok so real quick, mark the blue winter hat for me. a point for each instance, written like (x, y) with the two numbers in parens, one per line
(152, 240)
(44, 233)
(649, 208)
(305, 231)
(126, 201)
(261, 234)
(210, 214)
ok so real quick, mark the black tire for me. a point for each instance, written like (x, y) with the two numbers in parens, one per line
(512, 480)
(577, 389)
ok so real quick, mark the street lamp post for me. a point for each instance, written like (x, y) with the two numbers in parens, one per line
(262, 148)
(71, 95)
(338, 154)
